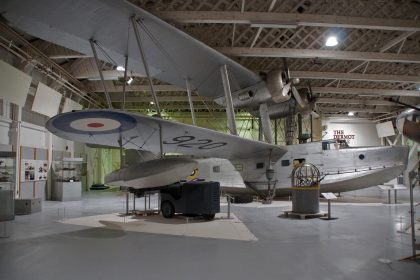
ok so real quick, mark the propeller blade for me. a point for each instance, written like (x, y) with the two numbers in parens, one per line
(286, 70)
(311, 94)
(297, 97)
(286, 89)
(315, 114)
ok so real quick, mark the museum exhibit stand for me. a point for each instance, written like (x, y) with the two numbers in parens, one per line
(7, 185)
(66, 179)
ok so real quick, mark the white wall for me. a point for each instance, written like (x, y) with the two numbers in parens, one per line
(4, 131)
(58, 144)
(32, 136)
(356, 132)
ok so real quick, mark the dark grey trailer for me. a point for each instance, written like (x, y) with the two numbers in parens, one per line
(191, 198)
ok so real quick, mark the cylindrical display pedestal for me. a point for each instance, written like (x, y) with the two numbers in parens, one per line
(305, 201)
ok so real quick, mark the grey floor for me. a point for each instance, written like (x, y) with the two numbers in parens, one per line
(39, 247)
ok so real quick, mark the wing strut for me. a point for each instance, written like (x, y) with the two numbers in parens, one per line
(146, 66)
(92, 45)
(265, 122)
(187, 82)
(228, 96)
(125, 81)
(152, 88)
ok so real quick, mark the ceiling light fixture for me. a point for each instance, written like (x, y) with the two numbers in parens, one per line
(130, 81)
(331, 41)
(350, 114)
(120, 68)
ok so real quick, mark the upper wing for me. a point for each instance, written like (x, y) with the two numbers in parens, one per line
(106, 127)
(172, 55)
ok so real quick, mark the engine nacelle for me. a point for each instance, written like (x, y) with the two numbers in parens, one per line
(248, 97)
(275, 84)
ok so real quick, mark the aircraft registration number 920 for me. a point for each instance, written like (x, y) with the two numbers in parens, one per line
(191, 142)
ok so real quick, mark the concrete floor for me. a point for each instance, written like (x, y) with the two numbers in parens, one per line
(40, 247)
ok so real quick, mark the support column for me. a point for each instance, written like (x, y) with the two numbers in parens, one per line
(187, 83)
(49, 145)
(265, 122)
(14, 138)
(275, 132)
(108, 99)
(228, 97)
(412, 183)
(260, 131)
(300, 128)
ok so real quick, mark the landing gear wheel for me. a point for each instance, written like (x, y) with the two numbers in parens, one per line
(209, 217)
(167, 209)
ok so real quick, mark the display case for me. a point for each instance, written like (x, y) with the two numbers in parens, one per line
(7, 185)
(66, 176)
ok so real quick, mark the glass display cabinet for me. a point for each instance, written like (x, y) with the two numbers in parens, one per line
(66, 179)
(7, 185)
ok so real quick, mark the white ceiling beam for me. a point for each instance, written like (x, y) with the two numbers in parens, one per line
(325, 54)
(376, 110)
(173, 107)
(325, 100)
(289, 19)
(117, 97)
(367, 91)
(354, 77)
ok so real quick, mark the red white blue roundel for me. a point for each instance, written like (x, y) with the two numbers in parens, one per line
(93, 122)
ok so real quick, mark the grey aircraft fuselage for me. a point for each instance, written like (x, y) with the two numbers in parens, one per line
(342, 168)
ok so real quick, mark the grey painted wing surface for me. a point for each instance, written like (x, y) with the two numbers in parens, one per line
(176, 56)
(105, 127)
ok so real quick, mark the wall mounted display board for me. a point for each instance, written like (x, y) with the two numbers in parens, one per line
(46, 101)
(70, 105)
(14, 84)
(34, 170)
(385, 129)
(7, 185)
(33, 174)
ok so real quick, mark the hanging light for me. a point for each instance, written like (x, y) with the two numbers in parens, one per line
(152, 103)
(120, 68)
(130, 80)
(331, 41)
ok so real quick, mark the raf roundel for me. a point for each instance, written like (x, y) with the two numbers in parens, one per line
(94, 122)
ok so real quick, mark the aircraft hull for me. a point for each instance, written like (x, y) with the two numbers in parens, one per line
(344, 169)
